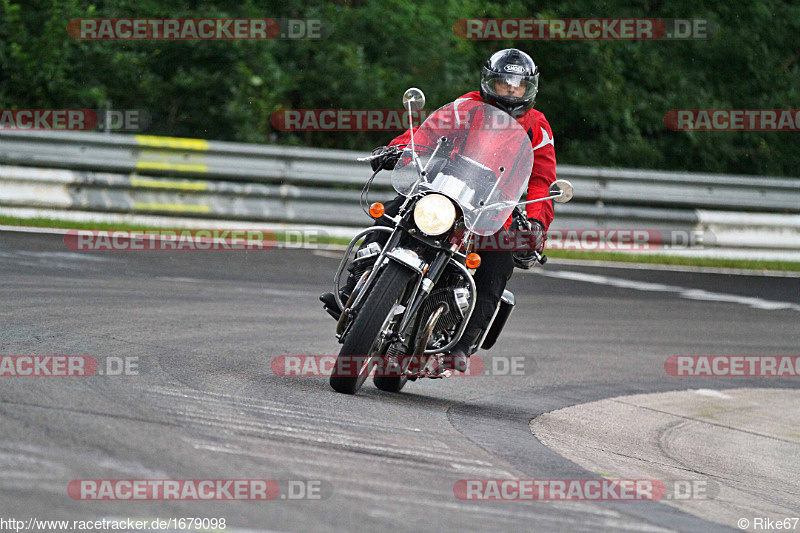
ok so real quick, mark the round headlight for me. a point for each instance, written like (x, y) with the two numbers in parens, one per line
(434, 214)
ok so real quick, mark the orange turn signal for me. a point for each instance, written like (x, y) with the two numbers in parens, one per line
(376, 210)
(473, 260)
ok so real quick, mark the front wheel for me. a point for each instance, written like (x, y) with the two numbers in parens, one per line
(366, 336)
(390, 383)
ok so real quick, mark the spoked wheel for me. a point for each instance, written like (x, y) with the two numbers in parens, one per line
(395, 384)
(367, 337)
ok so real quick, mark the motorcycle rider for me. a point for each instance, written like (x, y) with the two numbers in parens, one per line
(510, 82)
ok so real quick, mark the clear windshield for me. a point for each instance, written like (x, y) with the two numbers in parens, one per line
(476, 155)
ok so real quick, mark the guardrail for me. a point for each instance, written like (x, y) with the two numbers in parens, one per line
(102, 173)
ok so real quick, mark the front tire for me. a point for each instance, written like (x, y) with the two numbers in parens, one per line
(390, 383)
(363, 339)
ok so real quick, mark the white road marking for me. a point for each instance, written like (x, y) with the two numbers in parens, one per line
(217, 284)
(347, 232)
(332, 255)
(483, 471)
(181, 280)
(71, 256)
(670, 268)
(683, 292)
(201, 410)
(712, 393)
(32, 229)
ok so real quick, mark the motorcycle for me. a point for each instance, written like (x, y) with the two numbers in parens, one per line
(462, 175)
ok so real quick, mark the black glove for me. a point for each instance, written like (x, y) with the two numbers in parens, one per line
(531, 238)
(388, 159)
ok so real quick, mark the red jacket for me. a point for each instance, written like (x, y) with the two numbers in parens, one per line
(543, 173)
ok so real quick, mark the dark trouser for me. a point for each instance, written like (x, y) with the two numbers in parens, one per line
(490, 278)
(490, 281)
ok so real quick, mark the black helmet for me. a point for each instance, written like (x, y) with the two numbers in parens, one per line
(517, 69)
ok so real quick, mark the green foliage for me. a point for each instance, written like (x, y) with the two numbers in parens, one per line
(606, 100)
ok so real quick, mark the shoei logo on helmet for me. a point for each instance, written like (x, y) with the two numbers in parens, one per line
(515, 68)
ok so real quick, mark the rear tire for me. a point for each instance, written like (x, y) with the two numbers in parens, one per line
(362, 339)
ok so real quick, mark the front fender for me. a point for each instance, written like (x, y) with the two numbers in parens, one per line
(409, 258)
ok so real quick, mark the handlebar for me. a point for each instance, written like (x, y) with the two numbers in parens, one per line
(369, 158)
(393, 150)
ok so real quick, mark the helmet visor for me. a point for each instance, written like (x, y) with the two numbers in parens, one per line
(510, 87)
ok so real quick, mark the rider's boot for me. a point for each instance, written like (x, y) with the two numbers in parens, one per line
(329, 300)
(329, 304)
(458, 358)
(364, 257)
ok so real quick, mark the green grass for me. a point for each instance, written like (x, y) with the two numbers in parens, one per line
(67, 224)
(745, 264)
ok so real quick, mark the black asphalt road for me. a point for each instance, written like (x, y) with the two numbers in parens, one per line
(206, 405)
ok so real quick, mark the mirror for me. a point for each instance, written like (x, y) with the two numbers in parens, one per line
(565, 188)
(415, 98)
